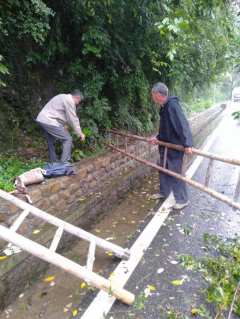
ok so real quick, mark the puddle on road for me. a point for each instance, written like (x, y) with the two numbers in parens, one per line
(48, 300)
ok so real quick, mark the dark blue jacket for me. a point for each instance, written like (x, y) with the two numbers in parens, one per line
(174, 127)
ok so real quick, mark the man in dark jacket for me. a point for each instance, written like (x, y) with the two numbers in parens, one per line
(174, 128)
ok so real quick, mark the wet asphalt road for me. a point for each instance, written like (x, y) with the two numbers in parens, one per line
(204, 214)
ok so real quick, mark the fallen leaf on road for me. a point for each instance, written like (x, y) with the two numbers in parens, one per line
(147, 292)
(3, 257)
(110, 254)
(49, 278)
(143, 205)
(83, 285)
(177, 282)
(98, 230)
(160, 270)
(135, 212)
(151, 287)
(74, 313)
(133, 222)
(52, 283)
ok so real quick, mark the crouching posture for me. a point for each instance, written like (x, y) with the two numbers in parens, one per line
(52, 120)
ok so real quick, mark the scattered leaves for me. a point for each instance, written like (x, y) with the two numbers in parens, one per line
(49, 278)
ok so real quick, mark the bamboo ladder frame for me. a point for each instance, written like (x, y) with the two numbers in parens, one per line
(182, 177)
(52, 257)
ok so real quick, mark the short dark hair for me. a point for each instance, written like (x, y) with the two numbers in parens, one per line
(78, 94)
(160, 88)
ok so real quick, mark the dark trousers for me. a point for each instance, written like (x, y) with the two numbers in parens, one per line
(57, 132)
(168, 183)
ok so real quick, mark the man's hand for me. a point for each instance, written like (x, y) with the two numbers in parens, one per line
(188, 150)
(153, 140)
(82, 137)
(66, 128)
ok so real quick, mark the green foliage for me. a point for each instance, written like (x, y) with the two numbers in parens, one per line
(236, 115)
(114, 52)
(11, 167)
(140, 301)
(222, 273)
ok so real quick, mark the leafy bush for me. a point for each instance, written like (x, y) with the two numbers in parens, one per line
(11, 167)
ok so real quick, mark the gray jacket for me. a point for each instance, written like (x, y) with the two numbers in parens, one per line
(60, 110)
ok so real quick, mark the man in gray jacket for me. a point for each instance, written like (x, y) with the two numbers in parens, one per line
(52, 120)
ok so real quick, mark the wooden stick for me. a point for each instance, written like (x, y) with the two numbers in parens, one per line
(91, 255)
(165, 157)
(125, 144)
(209, 191)
(149, 152)
(137, 147)
(78, 232)
(66, 264)
(184, 166)
(209, 171)
(181, 148)
(56, 239)
(19, 220)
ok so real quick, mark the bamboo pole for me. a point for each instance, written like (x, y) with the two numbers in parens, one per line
(91, 255)
(56, 239)
(78, 232)
(165, 157)
(66, 264)
(125, 144)
(149, 152)
(184, 166)
(184, 179)
(19, 220)
(220, 158)
(209, 171)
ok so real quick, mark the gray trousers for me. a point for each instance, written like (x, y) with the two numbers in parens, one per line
(57, 132)
(168, 183)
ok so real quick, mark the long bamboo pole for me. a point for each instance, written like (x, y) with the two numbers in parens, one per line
(66, 264)
(184, 179)
(181, 148)
(78, 232)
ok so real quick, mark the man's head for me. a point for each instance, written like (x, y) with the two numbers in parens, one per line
(159, 93)
(77, 96)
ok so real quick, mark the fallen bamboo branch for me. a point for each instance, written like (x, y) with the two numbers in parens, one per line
(66, 264)
(184, 179)
(78, 232)
(181, 148)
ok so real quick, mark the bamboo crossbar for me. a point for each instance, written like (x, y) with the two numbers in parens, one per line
(78, 232)
(19, 220)
(181, 148)
(184, 179)
(66, 264)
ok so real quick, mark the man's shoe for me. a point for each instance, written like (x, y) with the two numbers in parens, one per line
(156, 196)
(179, 206)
